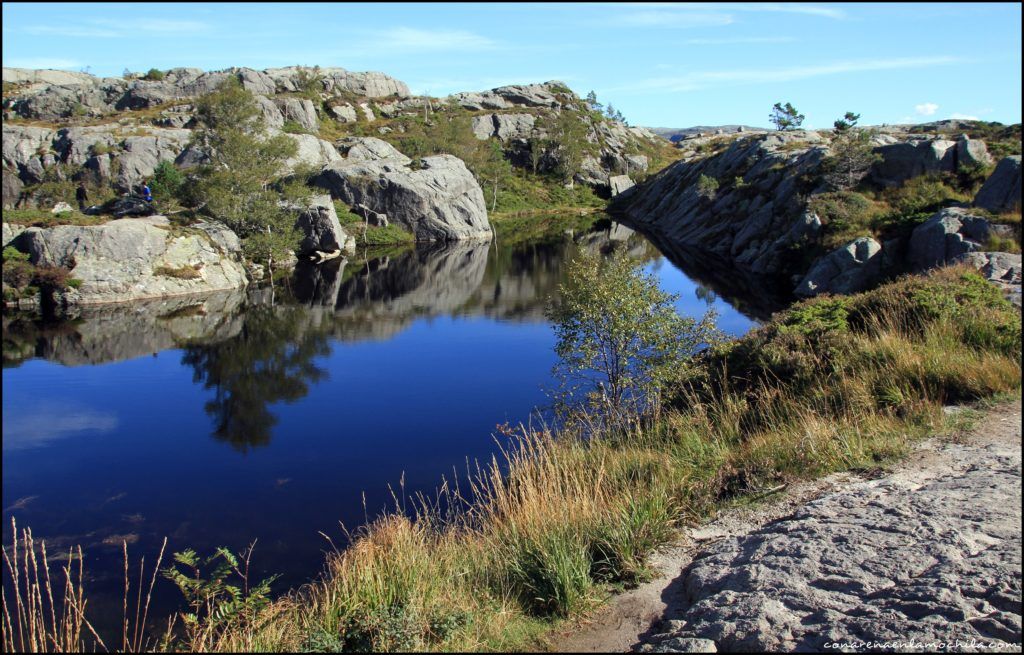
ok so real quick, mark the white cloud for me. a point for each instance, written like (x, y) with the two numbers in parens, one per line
(45, 424)
(697, 80)
(672, 19)
(103, 28)
(742, 39)
(43, 63)
(926, 108)
(416, 40)
(771, 7)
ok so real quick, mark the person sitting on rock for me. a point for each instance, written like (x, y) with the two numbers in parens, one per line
(147, 195)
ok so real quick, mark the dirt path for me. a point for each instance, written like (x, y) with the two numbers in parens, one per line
(948, 513)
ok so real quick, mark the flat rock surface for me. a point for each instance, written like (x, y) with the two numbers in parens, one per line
(926, 557)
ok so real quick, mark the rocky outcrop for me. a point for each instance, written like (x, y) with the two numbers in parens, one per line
(927, 555)
(945, 236)
(1002, 191)
(321, 230)
(10, 232)
(849, 269)
(12, 187)
(299, 110)
(133, 259)
(1001, 268)
(917, 156)
(313, 152)
(505, 97)
(753, 218)
(503, 126)
(971, 153)
(438, 200)
(51, 97)
(619, 183)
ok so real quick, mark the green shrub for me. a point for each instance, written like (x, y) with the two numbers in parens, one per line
(293, 127)
(154, 75)
(707, 186)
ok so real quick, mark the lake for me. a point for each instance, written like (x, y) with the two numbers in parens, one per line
(277, 415)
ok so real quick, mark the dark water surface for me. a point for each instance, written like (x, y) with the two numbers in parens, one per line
(241, 416)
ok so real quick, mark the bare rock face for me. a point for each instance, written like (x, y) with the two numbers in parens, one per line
(927, 555)
(848, 269)
(439, 200)
(133, 259)
(971, 152)
(945, 236)
(321, 229)
(1001, 191)
(619, 183)
(1001, 268)
(902, 161)
(503, 126)
(299, 110)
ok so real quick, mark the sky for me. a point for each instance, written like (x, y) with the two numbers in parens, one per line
(660, 64)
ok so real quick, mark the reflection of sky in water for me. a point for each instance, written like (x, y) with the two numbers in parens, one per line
(292, 418)
(32, 425)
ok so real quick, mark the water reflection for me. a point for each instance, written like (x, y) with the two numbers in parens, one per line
(269, 360)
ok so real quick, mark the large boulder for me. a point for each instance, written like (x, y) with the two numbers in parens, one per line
(619, 183)
(945, 236)
(313, 152)
(971, 152)
(902, 161)
(370, 149)
(503, 126)
(12, 187)
(848, 269)
(1001, 191)
(438, 201)
(299, 110)
(321, 229)
(132, 259)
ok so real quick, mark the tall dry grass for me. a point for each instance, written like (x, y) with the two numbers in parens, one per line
(552, 523)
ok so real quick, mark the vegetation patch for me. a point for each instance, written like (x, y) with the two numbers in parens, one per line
(183, 272)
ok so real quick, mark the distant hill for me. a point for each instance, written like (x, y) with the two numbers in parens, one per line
(674, 134)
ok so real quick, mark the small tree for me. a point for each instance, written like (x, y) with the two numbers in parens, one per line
(238, 184)
(537, 148)
(167, 183)
(852, 155)
(593, 103)
(569, 137)
(619, 338)
(785, 117)
(495, 169)
(848, 121)
(707, 186)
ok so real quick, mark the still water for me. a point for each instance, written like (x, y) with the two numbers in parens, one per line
(279, 415)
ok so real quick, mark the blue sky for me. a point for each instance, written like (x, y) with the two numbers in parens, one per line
(661, 64)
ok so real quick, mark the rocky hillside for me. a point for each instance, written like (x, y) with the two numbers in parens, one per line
(115, 130)
(760, 203)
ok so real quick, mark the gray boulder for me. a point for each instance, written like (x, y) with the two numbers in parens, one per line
(313, 152)
(971, 152)
(1001, 268)
(272, 116)
(902, 161)
(299, 110)
(945, 236)
(12, 187)
(848, 269)
(321, 230)
(11, 232)
(439, 201)
(132, 259)
(619, 183)
(1001, 191)
(503, 126)
(370, 148)
(344, 113)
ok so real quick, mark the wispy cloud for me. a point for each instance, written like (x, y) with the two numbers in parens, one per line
(697, 80)
(926, 108)
(674, 19)
(964, 117)
(820, 11)
(742, 39)
(410, 39)
(103, 28)
(45, 424)
(43, 62)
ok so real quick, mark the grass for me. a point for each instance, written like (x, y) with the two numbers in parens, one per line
(548, 527)
(541, 226)
(371, 235)
(44, 218)
(183, 272)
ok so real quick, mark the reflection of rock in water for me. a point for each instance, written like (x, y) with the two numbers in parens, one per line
(755, 296)
(111, 333)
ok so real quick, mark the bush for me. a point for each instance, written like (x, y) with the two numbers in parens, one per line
(154, 75)
(707, 186)
(167, 183)
(927, 193)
